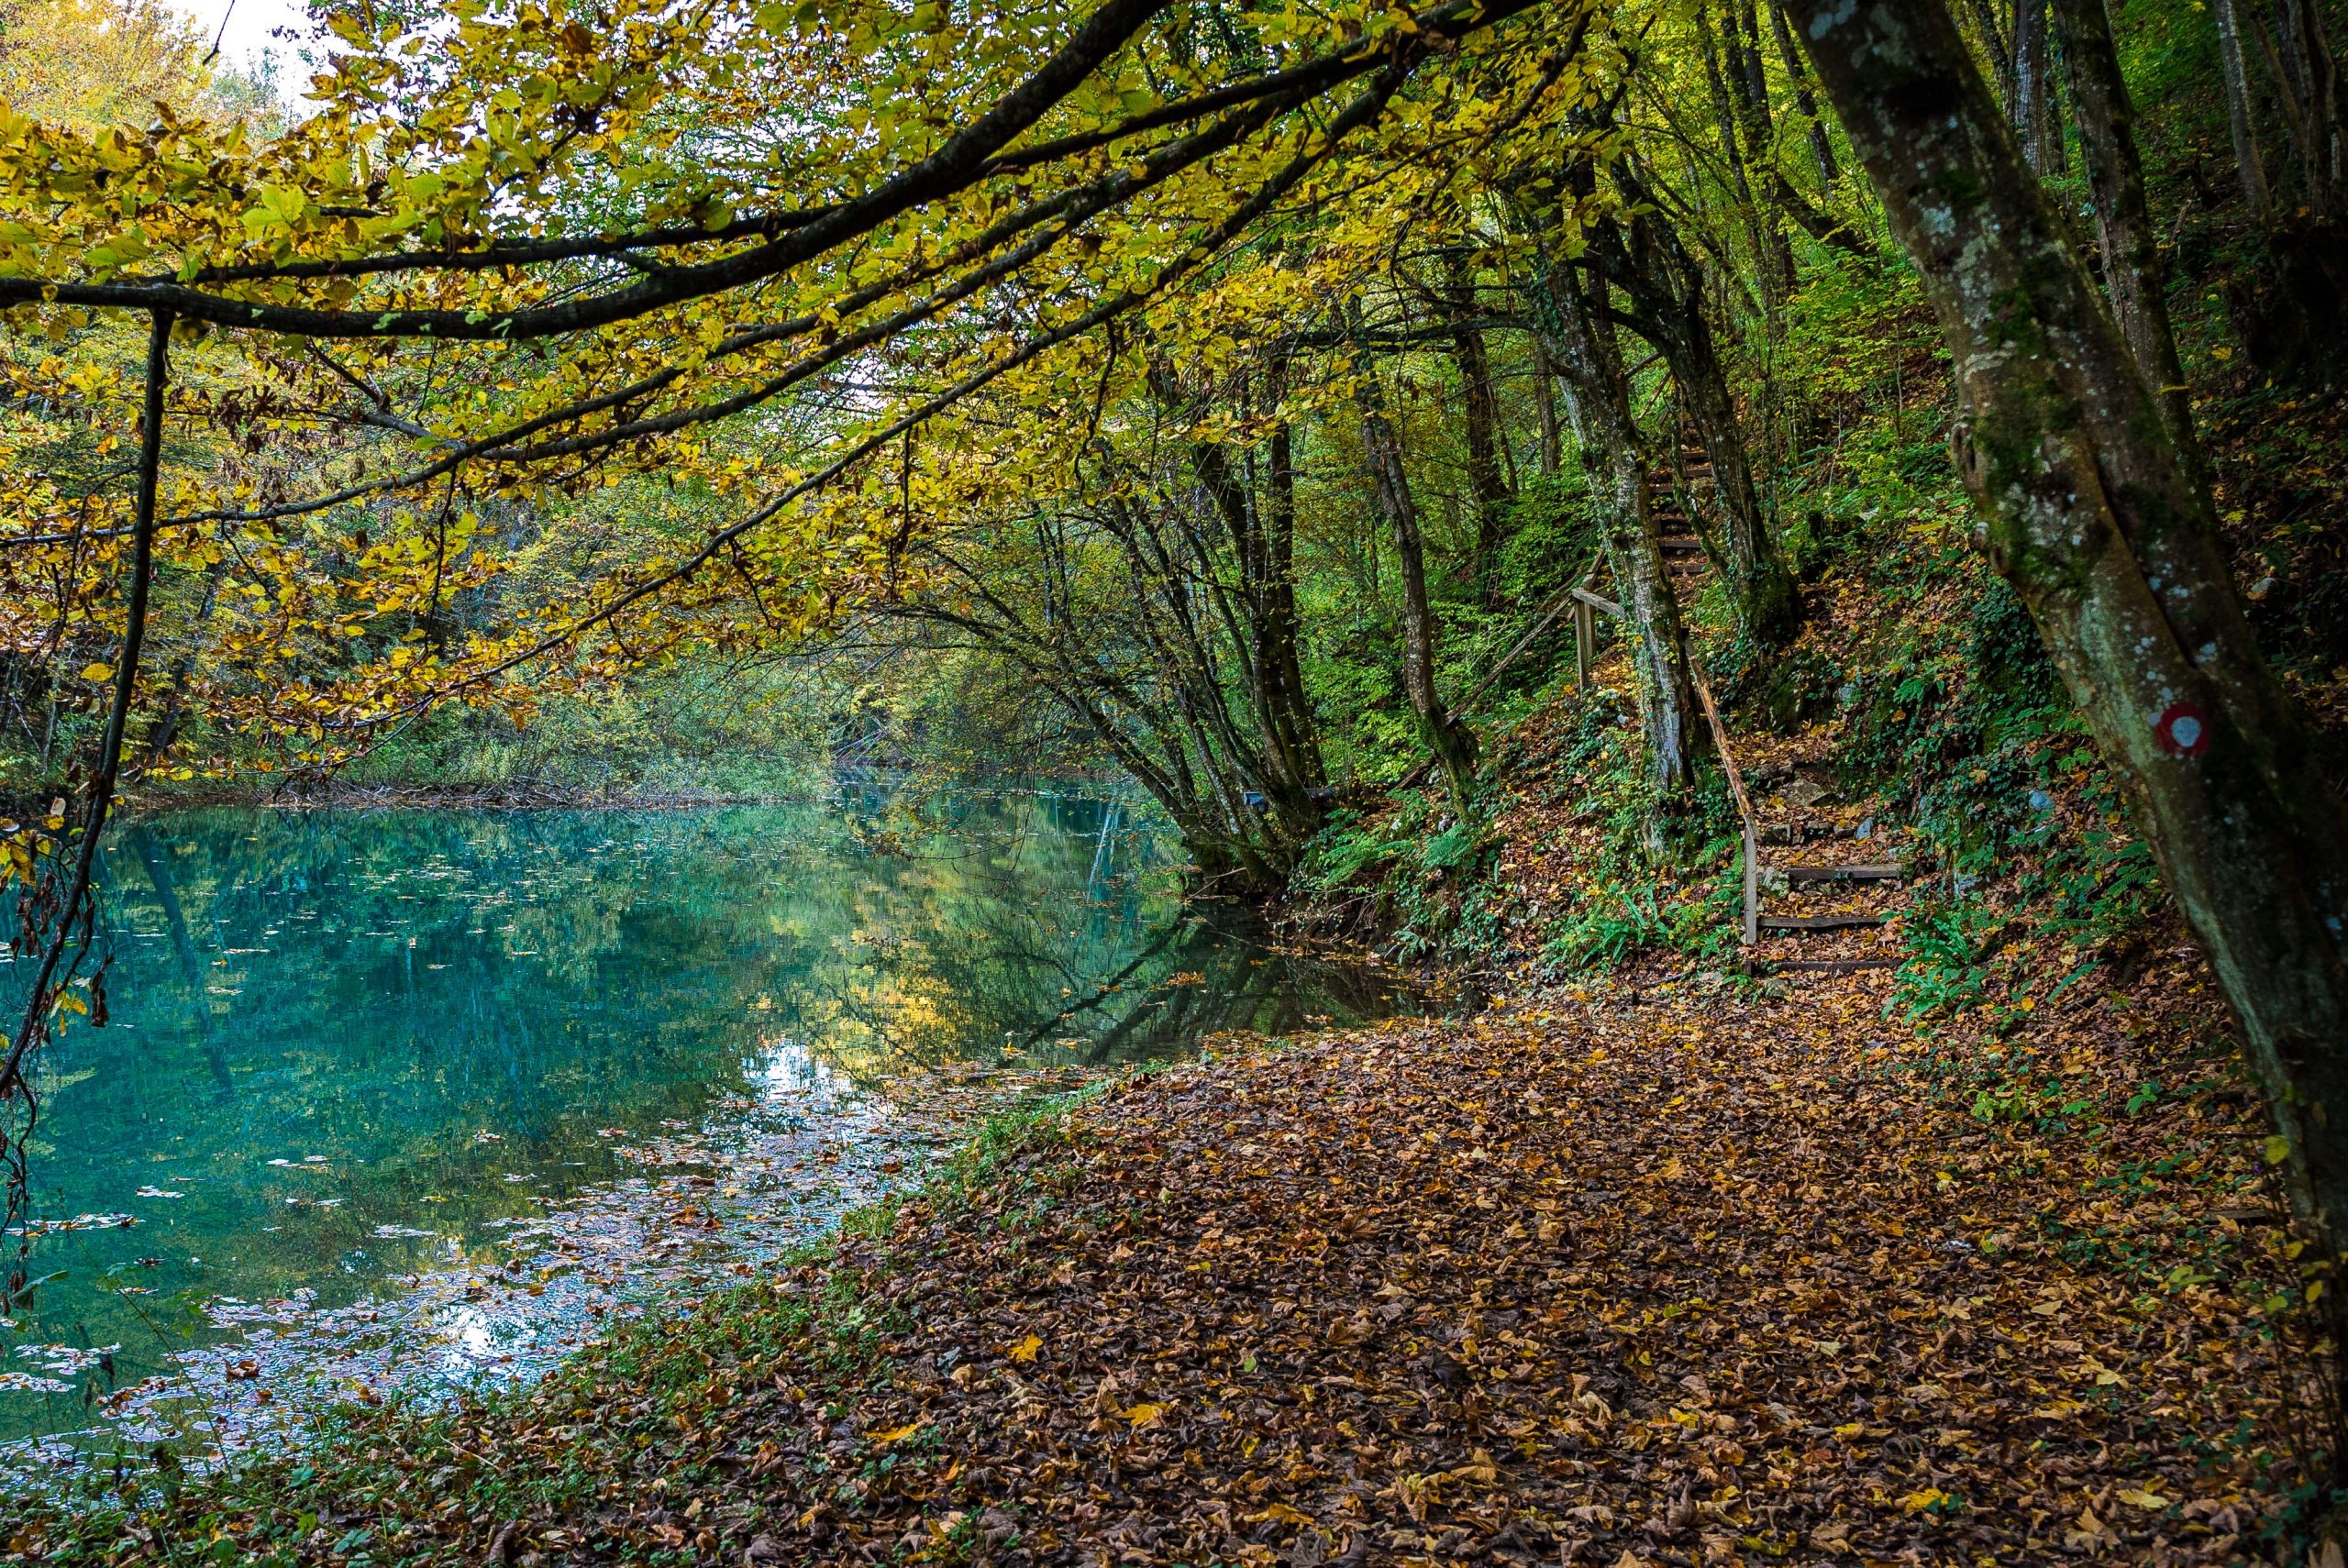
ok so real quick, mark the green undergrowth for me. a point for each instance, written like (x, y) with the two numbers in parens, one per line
(644, 1384)
(1920, 688)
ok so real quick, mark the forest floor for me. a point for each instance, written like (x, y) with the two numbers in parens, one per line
(1671, 1273)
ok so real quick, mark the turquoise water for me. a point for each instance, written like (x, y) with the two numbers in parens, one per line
(394, 1089)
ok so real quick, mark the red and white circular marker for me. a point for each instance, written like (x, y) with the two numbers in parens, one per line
(2183, 731)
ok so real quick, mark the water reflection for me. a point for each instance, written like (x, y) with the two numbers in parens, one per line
(479, 1071)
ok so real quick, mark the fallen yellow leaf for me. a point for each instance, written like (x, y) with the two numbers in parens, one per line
(1025, 1350)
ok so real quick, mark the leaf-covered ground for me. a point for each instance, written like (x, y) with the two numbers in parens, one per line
(1674, 1277)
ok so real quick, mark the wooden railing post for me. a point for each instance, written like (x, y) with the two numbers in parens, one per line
(1743, 803)
(1752, 885)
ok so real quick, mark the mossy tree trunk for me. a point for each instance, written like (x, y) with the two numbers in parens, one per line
(1581, 343)
(1666, 293)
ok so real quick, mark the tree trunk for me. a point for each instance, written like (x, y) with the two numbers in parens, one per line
(1544, 402)
(1453, 743)
(1262, 627)
(1772, 257)
(1480, 409)
(2306, 50)
(2132, 257)
(2033, 108)
(1280, 621)
(2001, 51)
(2251, 168)
(1821, 146)
(1598, 402)
(2105, 530)
(1665, 291)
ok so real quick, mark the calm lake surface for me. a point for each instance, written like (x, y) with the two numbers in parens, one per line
(393, 1094)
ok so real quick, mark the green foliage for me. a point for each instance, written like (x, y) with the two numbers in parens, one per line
(1551, 537)
(1420, 868)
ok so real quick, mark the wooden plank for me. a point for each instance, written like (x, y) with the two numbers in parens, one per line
(1752, 884)
(1873, 871)
(1821, 922)
(1606, 605)
(1788, 836)
(1827, 965)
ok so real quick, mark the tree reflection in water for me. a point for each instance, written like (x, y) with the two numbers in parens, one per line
(352, 1049)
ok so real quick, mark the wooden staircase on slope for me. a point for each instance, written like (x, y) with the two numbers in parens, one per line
(1685, 559)
(1823, 903)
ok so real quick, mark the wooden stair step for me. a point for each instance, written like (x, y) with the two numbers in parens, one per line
(1821, 922)
(1682, 545)
(1786, 837)
(1870, 871)
(1827, 966)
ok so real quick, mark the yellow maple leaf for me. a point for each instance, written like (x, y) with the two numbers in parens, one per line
(1025, 1350)
(1142, 1415)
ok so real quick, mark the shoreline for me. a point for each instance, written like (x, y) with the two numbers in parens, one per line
(1565, 1282)
(536, 796)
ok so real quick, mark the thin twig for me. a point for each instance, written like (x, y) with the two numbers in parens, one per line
(126, 677)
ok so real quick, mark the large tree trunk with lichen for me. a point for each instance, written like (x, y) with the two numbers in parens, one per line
(2107, 531)
(1581, 343)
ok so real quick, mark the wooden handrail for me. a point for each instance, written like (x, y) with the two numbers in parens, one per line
(1467, 704)
(1556, 607)
(1588, 601)
(1744, 802)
